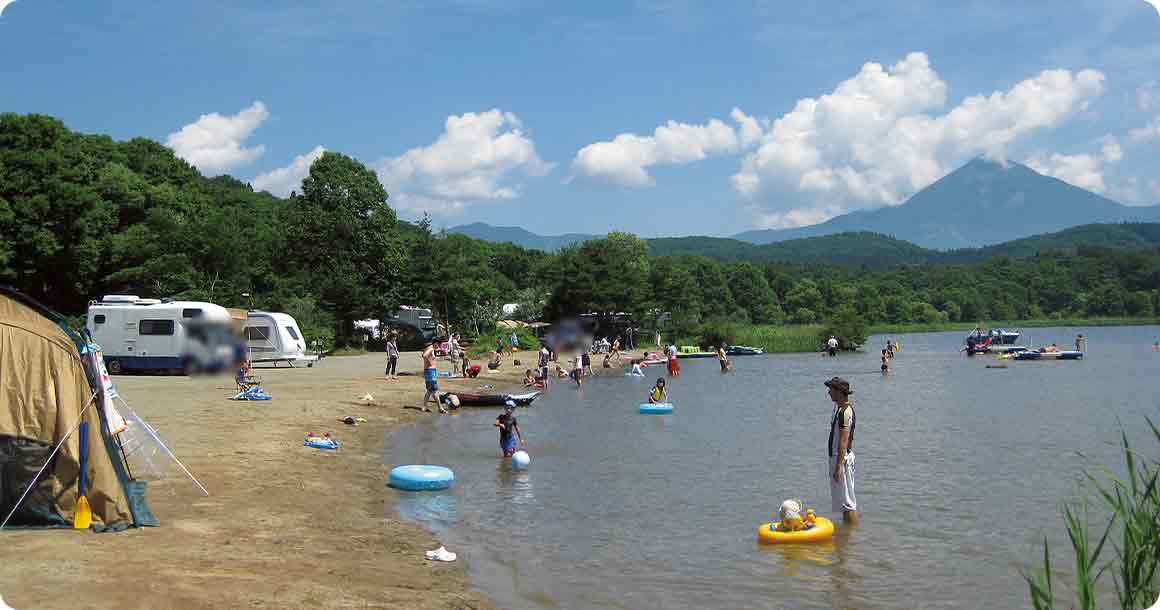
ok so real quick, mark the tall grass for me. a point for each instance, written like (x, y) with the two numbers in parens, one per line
(925, 327)
(1134, 527)
(781, 339)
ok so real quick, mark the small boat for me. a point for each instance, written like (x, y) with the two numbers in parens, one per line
(685, 355)
(994, 341)
(743, 350)
(1038, 355)
(469, 399)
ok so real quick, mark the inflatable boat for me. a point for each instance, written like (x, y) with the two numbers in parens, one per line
(469, 399)
(1037, 355)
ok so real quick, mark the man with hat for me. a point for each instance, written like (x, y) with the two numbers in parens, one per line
(506, 422)
(841, 451)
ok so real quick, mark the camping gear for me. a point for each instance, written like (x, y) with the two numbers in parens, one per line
(83, 516)
(468, 399)
(44, 405)
(254, 392)
(421, 477)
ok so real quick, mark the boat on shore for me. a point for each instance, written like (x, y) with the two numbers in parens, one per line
(744, 350)
(471, 399)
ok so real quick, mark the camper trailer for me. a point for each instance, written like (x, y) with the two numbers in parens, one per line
(418, 318)
(275, 337)
(153, 335)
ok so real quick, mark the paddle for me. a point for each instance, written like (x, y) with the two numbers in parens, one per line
(83, 515)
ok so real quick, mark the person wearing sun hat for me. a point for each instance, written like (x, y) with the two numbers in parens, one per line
(841, 451)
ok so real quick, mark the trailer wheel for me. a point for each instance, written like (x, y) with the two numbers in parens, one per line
(114, 367)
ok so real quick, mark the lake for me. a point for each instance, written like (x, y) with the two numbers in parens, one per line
(961, 473)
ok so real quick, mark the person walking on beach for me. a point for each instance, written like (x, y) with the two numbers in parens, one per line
(392, 357)
(586, 363)
(841, 451)
(545, 356)
(431, 376)
(507, 424)
(615, 350)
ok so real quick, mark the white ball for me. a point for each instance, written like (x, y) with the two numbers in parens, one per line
(521, 459)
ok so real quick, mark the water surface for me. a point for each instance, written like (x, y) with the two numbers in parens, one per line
(962, 470)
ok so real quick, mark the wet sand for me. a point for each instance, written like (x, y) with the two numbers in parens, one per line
(285, 526)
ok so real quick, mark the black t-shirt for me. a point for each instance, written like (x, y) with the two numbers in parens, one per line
(508, 426)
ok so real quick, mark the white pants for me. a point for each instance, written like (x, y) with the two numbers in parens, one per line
(842, 496)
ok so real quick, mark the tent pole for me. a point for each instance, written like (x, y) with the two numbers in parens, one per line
(157, 438)
(36, 478)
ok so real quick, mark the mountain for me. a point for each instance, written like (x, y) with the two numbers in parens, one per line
(877, 250)
(519, 237)
(981, 203)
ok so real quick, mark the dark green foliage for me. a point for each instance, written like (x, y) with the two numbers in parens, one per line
(847, 326)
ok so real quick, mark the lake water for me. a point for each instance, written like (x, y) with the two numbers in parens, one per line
(961, 473)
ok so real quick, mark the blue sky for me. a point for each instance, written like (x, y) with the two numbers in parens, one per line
(661, 117)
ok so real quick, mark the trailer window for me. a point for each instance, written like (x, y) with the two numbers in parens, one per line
(258, 333)
(191, 313)
(155, 327)
(99, 318)
(293, 333)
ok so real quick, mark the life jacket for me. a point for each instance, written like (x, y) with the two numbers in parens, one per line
(656, 393)
(834, 427)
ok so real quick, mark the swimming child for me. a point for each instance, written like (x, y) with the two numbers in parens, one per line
(885, 361)
(658, 393)
(636, 370)
(506, 422)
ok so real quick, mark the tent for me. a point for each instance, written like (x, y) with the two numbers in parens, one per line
(50, 381)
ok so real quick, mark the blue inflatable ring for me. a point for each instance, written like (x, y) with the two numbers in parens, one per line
(421, 477)
(661, 408)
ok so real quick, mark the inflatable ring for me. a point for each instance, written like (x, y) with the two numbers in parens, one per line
(661, 408)
(823, 529)
(421, 477)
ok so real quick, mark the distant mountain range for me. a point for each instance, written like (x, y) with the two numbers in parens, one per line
(979, 204)
(519, 237)
(877, 250)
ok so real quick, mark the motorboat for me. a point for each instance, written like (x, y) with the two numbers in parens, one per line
(742, 350)
(1032, 354)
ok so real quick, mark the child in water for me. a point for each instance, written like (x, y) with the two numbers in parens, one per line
(885, 361)
(506, 422)
(658, 394)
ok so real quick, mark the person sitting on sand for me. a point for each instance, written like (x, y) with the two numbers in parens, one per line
(560, 372)
(506, 422)
(658, 394)
(448, 400)
(529, 379)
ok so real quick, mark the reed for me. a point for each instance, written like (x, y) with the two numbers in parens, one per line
(1134, 525)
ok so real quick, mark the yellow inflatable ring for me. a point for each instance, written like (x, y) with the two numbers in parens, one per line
(823, 529)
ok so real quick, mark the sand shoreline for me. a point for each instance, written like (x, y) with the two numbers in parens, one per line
(285, 525)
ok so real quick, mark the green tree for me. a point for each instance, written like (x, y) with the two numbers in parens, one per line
(847, 326)
(608, 275)
(752, 293)
(343, 232)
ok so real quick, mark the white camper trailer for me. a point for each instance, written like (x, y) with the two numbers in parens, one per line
(138, 334)
(275, 337)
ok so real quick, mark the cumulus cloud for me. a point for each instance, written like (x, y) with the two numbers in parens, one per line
(875, 139)
(1151, 131)
(283, 180)
(625, 159)
(479, 156)
(216, 143)
(1082, 170)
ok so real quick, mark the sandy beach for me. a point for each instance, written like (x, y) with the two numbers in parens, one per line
(285, 526)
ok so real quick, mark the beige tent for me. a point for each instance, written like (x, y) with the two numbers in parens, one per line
(45, 392)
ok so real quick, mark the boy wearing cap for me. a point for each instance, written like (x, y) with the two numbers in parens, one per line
(506, 422)
(841, 451)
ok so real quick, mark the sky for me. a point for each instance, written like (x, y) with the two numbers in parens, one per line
(659, 117)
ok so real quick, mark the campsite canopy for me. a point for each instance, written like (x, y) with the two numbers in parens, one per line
(47, 387)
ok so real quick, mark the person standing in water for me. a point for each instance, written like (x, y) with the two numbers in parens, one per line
(578, 369)
(431, 376)
(1080, 343)
(885, 361)
(832, 346)
(658, 394)
(507, 424)
(723, 358)
(841, 451)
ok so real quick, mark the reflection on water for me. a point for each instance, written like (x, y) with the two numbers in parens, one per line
(961, 471)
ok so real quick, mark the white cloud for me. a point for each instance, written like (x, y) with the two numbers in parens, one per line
(4, 4)
(283, 180)
(1150, 131)
(625, 159)
(479, 156)
(215, 143)
(873, 141)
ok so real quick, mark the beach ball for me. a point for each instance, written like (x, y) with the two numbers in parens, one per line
(521, 459)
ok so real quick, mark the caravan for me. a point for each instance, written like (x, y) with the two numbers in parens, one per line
(138, 334)
(275, 337)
